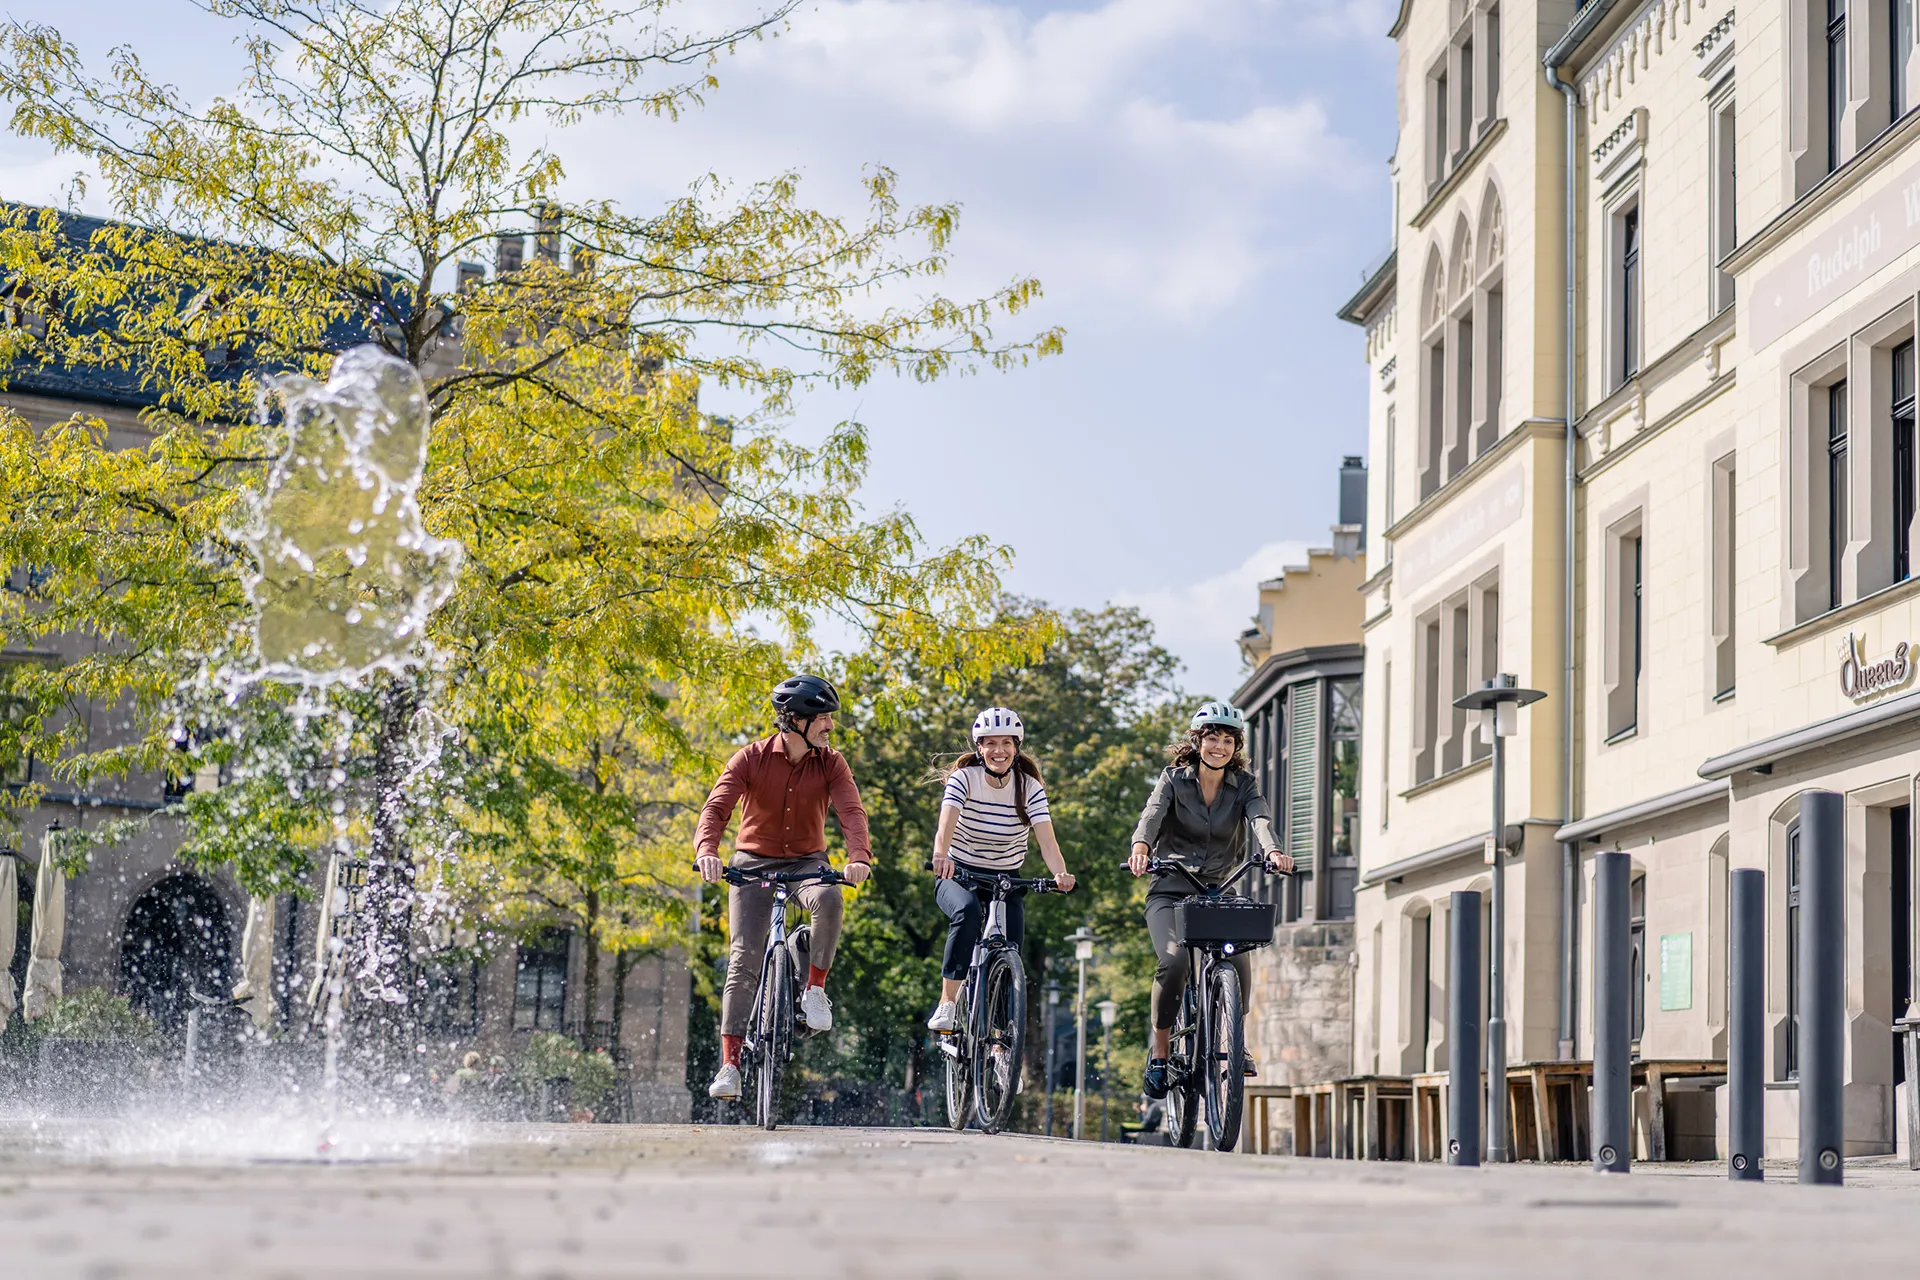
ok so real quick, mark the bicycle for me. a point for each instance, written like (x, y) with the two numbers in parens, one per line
(983, 1053)
(769, 1042)
(1207, 1055)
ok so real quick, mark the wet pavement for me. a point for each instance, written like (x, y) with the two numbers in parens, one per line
(111, 1199)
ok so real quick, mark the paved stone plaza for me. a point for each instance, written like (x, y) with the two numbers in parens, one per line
(538, 1202)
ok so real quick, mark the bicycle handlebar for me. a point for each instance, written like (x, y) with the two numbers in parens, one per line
(963, 874)
(825, 875)
(1162, 866)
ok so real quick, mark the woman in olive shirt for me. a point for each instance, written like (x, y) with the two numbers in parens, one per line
(1198, 817)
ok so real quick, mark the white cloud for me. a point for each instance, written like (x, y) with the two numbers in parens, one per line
(1200, 621)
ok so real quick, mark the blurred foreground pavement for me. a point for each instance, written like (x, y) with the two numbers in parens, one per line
(83, 1199)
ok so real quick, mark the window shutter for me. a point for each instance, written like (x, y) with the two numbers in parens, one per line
(1303, 775)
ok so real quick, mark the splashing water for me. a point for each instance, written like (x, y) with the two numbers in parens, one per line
(345, 574)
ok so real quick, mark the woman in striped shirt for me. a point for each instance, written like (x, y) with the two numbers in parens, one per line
(994, 798)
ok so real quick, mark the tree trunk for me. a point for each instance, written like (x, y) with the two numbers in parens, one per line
(590, 973)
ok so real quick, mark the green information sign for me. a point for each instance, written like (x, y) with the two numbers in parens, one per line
(1676, 971)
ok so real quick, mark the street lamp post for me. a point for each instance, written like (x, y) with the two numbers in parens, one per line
(1498, 701)
(1109, 1014)
(1082, 952)
(1053, 1005)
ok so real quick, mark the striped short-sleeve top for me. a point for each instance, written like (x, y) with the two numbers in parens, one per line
(989, 834)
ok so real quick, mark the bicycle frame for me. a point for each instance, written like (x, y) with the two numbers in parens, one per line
(754, 1055)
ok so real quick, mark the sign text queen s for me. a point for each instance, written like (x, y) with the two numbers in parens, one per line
(1861, 680)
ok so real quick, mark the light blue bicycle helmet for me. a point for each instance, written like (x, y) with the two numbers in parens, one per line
(1219, 715)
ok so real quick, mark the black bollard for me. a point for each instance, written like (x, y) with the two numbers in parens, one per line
(1612, 1115)
(1822, 997)
(1746, 1024)
(1463, 1031)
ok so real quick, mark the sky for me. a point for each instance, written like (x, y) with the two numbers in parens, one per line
(1198, 185)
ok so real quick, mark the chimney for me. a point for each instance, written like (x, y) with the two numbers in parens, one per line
(1353, 493)
(547, 243)
(509, 252)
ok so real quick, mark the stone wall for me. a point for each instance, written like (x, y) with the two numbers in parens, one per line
(1300, 1027)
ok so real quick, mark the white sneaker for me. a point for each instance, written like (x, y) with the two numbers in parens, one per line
(817, 1009)
(726, 1084)
(946, 1017)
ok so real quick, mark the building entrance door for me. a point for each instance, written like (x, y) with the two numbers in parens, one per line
(178, 941)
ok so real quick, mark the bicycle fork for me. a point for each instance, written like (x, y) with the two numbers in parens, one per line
(995, 926)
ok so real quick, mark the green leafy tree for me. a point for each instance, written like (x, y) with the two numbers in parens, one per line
(624, 548)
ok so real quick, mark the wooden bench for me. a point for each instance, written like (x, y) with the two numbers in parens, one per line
(1258, 1137)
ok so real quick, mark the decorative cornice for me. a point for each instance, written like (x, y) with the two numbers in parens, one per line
(1721, 30)
(1627, 130)
(1644, 36)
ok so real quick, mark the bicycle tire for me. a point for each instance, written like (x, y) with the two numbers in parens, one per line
(1002, 1040)
(959, 1066)
(1183, 1097)
(1226, 1058)
(775, 1021)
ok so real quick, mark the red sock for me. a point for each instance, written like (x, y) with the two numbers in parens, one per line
(816, 976)
(730, 1049)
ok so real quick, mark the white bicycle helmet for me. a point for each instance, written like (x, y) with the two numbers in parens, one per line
(1000, 721)
(1218, 715)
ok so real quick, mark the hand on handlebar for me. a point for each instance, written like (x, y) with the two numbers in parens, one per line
(942, 867)
(856, 872)
(1137, 862)
(710, 867)
(1066, 881)
(1280, 863)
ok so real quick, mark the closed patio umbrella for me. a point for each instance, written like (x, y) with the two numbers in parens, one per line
(256, 961)
(9, 927)
(44, 971)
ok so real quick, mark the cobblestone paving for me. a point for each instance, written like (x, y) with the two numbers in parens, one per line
(590, 1201)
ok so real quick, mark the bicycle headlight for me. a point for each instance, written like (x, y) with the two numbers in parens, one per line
(1228, 948)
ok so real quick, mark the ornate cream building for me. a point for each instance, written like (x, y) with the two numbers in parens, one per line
(1720, 588)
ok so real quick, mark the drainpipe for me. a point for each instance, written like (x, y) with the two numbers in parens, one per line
(1585, 22)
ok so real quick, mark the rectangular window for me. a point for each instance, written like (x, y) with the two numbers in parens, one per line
(1467, 113)
(540, 983)
(1386, 740)
(1463, 399)
(1436, 418)
(1791, 1067)
(1438, 144)
(1836, 78)
(1722, 551)
(1387, 511)
(1459, 670)
(1903, 461)
(1425, 760)
(1726, 234)
(1900, 26)
(1493, 62)
(1626, 627)
(1496, 338)
(1637, 959)
(1343, 852)
(1836, 490)
(1629, 301)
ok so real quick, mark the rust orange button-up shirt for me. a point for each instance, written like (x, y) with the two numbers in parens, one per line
(783, 806)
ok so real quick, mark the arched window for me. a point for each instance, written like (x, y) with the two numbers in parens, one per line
(1491, 304)
(1433, 375)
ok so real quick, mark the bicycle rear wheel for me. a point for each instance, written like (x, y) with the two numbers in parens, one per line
(1226, 1080)
(774, 1020)
(996, 1053)
(1183, 1098)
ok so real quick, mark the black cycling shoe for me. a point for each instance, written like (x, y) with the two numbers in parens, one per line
(1155, 1085)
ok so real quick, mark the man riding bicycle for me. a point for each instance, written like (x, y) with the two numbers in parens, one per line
(783, 785)
(1197, 817)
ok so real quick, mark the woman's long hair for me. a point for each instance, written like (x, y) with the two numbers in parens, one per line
(1185, 752)
(1024, 767)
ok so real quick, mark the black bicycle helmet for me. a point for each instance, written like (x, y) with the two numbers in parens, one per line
(803, 697)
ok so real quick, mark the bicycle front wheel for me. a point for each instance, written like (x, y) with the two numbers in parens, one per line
(774, 1022)
(1226, 1058)
(957, 1059)
(1003, 1036)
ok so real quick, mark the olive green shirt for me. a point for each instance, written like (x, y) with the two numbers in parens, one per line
(1208, 840)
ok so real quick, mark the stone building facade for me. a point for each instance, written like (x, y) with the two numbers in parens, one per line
(1719, 585)
(141, 923)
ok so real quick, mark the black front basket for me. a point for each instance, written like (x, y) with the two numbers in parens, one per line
(1202, 921)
